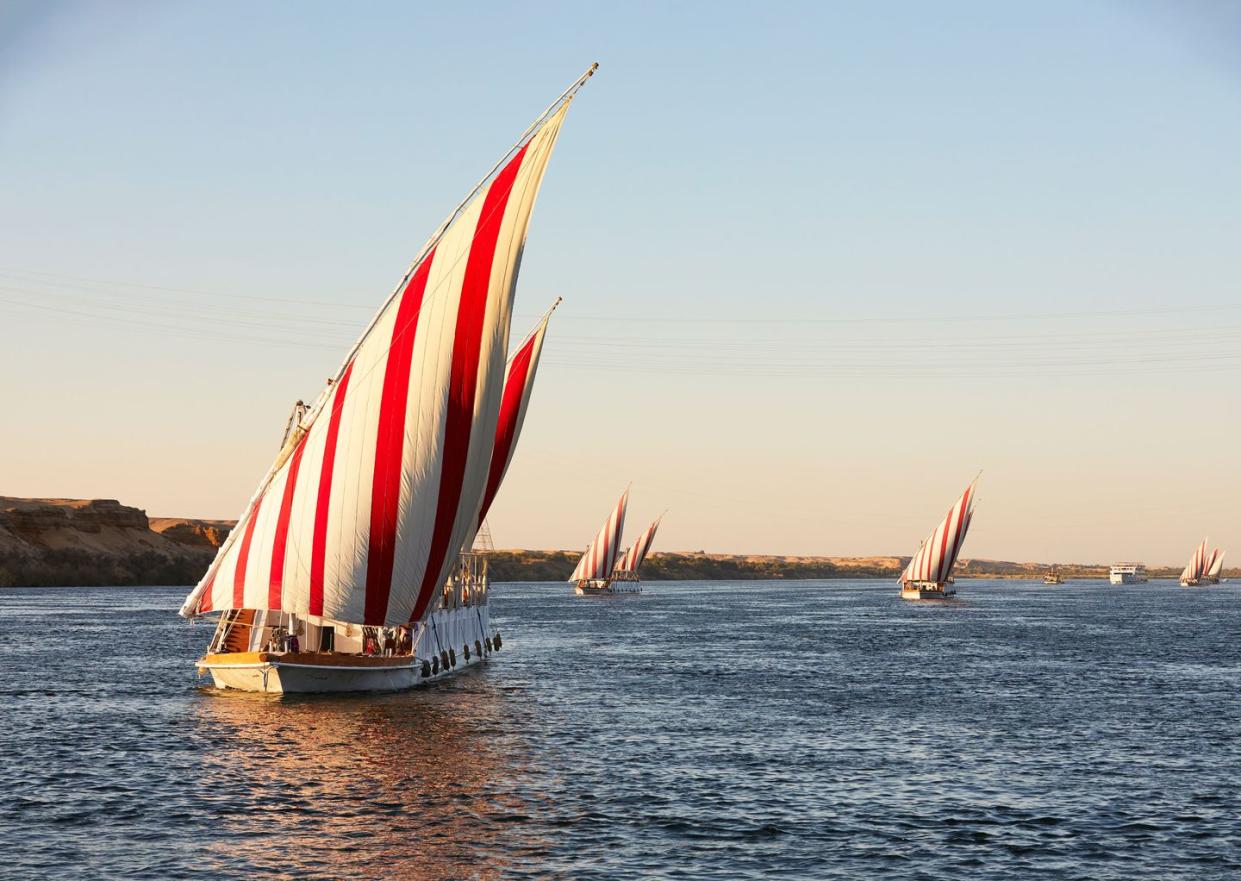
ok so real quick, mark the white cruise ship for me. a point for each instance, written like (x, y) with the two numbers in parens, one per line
(1128, 573)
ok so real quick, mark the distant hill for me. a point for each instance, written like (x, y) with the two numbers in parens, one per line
(102, 542)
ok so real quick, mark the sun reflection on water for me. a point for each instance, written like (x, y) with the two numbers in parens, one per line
(420, 785)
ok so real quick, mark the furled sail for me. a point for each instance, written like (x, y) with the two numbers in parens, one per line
(600, 557)
(1217, 564)
(362, 514)
(518, 384)
(934, 561)
(632, 559)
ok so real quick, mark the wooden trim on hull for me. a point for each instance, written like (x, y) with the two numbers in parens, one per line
(312, 660)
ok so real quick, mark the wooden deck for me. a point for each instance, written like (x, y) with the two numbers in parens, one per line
(311, 659)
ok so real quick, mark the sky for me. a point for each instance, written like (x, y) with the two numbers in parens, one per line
(821, 263)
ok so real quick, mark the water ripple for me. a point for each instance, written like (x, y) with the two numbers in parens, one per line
(731, 731)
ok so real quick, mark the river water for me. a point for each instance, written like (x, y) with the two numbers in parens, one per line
(700, 730)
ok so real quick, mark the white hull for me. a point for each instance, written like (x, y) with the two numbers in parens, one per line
(1127, 573)
(456, 629)
(927, 592)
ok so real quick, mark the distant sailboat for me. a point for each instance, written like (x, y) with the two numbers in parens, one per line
(625, 575)
(1194, 570)
(351, 568)
(929, 574)
(593, 573)
(1053, 576)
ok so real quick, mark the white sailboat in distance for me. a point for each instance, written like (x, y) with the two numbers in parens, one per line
(929, 574)
(351, 568)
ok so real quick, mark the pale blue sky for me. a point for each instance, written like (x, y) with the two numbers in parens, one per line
(820, 262)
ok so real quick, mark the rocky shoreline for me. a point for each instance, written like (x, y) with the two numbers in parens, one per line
(78, 542)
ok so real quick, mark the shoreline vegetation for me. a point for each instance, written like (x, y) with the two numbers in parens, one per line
(100, 542)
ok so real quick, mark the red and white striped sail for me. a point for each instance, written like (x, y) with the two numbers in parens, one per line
(1217, 564)
(362, 515)
(632, 558)
(1196, 567)
(934, 561)
(518, 384)
(1209, 561)
(600, 557)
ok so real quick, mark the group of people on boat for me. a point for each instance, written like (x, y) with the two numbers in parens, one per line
(376, 641)
(387, 641)
(281, 640)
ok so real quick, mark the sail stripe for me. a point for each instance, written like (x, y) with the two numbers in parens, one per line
(463, 384)
(389, 447)
(204, 602)
(962, 525)
(275, 584)
(243, 556)
(318, 551)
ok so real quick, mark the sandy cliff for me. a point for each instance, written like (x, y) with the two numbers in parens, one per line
(100, 541)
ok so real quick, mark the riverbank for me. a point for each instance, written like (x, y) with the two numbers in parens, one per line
(74, 542)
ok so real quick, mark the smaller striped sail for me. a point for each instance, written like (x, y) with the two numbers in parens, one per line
(1209, 561)
(934, 561)
(600, 558)
(1197, 565)
(1216, 569)
(518, 384)
(632, 559)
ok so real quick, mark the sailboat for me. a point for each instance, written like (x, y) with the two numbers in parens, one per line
(929, 574)
(593, 572)
(1053, 576)
(352, 567)
(1192, 574)
(602, 568)
(625, 575)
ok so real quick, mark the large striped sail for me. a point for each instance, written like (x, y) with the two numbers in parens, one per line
(632, 559)
(518, 384)
(362, 514)
(1195, 569)
(600, 558)
(934, 561)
